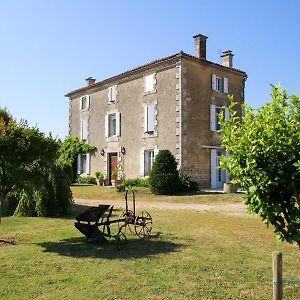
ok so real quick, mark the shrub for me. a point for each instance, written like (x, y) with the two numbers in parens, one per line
(164, 178)
(186, 185)
(139, 182)
(86, 179)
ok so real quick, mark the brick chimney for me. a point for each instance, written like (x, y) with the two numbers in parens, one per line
(200, 46)
(227, 58)
(90, 81)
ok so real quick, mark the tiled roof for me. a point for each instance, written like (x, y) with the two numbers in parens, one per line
(152, 63)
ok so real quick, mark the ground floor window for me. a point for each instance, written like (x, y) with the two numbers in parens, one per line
(83, 164)
(148, 161)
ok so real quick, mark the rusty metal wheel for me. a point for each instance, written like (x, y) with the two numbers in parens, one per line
(129, 220)
(143, 224)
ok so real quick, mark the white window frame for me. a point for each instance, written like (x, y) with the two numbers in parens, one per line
(214, 120)
(149, 118)
(84, 129)
(148, 153)
(117, 132)
(150, 83)
(87, 97)
(142, 159)
(83, 169)
(219, 84)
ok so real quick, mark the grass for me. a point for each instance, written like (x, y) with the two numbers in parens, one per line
(195, 256)
(143, 194)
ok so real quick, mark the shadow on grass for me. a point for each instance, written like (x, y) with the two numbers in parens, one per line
(133, 248)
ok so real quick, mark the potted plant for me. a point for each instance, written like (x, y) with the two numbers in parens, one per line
(115, 174)
(230, 187)
(99, 178)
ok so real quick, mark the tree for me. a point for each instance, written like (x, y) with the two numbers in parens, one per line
(164, 178)
(69, 149)
(24, 153)
(264, 159)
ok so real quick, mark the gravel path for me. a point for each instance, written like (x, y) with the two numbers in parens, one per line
(223, 207)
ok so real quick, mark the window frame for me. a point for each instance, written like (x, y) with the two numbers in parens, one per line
(149, 156)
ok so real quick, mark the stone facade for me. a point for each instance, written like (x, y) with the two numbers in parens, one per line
(181, 100)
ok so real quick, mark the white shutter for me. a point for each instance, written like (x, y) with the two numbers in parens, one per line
(227, 116)
(151, 118)
(146, 118)
(109, 94)
(149, 82)
(213, 168)
(142, 163)
(118, 124)
(212, 117)
(225, 82)
(80, 103)
(88, 161)
(88, 101)
(81, 129)
(214, 82)
(78, 164)
(114, 93)
(227, 174)
(106, 126)
(155, 152)
(84, 124)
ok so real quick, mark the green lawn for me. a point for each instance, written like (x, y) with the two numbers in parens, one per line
(195, 256)
(143, 194)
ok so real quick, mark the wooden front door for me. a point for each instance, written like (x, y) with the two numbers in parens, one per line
(112, 164)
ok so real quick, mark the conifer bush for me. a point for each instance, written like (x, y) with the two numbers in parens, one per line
(164, 178)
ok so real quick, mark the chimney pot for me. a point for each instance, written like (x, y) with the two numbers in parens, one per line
(200, 46)
(227, 58)
(90, 81)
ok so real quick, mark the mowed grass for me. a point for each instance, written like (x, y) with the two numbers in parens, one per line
(143, 194)
(195, 255)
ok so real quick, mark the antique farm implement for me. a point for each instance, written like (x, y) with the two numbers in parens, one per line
(95, 222)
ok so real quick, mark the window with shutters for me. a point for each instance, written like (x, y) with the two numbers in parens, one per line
(149, 83)
(219, 84)
(112, 94)
(149, 118)
(215, 112)
(148, 161)
(84, 130)
(112, 125)
(85, 102)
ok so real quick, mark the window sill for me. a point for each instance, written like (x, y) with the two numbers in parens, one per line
(113, 138)
(83, 110)
(147, 135)
(150, 92)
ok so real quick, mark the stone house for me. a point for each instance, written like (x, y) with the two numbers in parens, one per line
(170, 103)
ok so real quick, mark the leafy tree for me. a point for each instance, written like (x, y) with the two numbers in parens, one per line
(164, 178)
(24, 153)
(69, 149)
(264, 158)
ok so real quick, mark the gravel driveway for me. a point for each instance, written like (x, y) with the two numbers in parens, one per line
(220, 207)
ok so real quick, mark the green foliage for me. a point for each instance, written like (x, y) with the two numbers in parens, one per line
(86, 179)
(99, 175)
(164, 178)
(69, 149)
(32, 183)
(139, 182)
(264, 148)
(186, 185)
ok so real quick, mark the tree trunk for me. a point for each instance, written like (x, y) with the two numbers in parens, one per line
(2, 197)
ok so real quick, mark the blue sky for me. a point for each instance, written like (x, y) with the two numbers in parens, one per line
(49, 47)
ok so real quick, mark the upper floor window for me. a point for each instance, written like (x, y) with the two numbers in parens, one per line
(219, 84)
(149, 83)
(112, 94)
(85, 102)
(84, 130)
(215, 116)
(112, 124)
(149, 118)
